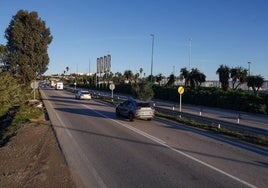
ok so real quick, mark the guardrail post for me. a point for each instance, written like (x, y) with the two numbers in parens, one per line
(238, 118)
(201, 110)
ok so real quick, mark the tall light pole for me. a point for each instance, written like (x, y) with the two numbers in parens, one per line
(190, 53)
(152, 57)
(249, 68)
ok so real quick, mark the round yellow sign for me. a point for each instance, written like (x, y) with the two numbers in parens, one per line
(180, 90)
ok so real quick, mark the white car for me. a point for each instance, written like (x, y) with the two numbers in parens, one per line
(82, 94)
(59, 86)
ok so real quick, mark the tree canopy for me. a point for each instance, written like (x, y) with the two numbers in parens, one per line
(239, 76)
(10, 92)
(223, 72)
(143, 90)
(256, 82)
(27, 44)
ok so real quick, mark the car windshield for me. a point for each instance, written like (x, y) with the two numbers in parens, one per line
(84, 92)
(143, 104)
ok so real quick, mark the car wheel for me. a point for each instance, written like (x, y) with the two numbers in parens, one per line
(131, 116)
(117, 112)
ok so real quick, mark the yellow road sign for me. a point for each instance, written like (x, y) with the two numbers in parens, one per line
(180, 90)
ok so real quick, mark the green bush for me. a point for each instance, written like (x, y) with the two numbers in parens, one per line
(10, 93)
(216, 97)
(25, 114)
(213, 97)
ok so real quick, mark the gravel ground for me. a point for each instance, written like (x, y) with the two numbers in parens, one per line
(32, 158)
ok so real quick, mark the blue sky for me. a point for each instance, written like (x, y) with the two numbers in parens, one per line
(228, 32)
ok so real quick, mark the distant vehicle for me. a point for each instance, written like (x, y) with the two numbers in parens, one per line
(52, 83)
(59, 86)
(133, 108)
(82, 94)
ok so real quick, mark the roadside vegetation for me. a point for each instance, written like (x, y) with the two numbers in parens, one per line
(22, 61)
(15, 108)
(219, 97)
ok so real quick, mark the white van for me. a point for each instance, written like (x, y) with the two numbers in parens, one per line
(59, 86)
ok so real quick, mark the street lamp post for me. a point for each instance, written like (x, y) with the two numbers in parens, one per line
(249, 68)
(190, 53)
(152, 57)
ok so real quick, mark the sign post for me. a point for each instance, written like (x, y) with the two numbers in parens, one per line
(75, 87)
(34, 86)
(180, 91)
(112, 87)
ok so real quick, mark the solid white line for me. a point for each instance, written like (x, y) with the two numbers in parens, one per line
(78, 149)
(173, 149)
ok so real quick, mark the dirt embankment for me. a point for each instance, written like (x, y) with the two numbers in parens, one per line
(32, 158)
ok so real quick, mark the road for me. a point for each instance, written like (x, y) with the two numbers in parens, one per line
(105, 151)
(232, 116)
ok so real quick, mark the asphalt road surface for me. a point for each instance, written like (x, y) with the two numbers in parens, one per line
(105, 151)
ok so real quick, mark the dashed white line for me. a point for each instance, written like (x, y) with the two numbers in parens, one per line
(161, 142)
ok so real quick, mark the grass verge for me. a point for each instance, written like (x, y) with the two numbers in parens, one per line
(23, 114)
(259, 140)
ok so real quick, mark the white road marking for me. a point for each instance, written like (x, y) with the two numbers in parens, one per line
(79, 151)
(173, 149)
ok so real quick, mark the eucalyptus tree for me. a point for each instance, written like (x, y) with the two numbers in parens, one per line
(27, 43)
(10, 92)
(3, 57)
(223, 72)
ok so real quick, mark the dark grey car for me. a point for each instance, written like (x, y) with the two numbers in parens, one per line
(133, 108)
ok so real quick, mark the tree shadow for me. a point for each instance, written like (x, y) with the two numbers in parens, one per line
(211, 135)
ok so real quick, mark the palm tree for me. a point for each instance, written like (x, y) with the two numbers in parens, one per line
(141, 70)
(239, 75)
(196, 78)
(255, 82)
(128, 75)
(67, 69)
(223, 72)
(159, 78)
(184, 75)
(171, 80)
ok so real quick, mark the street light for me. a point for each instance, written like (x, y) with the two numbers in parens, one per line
(152, 57)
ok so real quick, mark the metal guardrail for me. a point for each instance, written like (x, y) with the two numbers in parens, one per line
(217, 123)
(245, 129)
